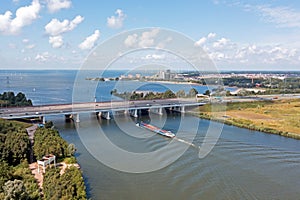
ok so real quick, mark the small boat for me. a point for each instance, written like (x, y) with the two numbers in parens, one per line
(155, 129)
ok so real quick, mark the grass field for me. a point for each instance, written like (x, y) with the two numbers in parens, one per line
(278, 117)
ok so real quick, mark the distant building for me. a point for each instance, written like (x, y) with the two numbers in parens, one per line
(168, 75)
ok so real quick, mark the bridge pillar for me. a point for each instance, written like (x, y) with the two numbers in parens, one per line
(182, 109)
(77, 119)
(160, 112)
(98, 114)
(105, 115)
(135, 114)
(44, 119)
(108, 115)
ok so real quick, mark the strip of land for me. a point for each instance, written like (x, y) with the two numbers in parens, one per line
(280, 117)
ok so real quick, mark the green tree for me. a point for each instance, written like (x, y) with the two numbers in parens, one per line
(49, 124)
(168, 94)
(207, 92)
(70, 185)
(16, 146)
(193, 92)
(48, 141)
(22, 172)
(180, 94)
(71, 149)
(5, 174)
(15, 190)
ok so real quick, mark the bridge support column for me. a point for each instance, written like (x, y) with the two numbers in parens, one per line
(160, 112)
(105, 115)
(182, 109)
(108, 115)
(98, 114)
(77, 119)
(44, 119)
(135, 114)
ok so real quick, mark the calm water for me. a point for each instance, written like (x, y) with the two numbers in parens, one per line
(243, 165)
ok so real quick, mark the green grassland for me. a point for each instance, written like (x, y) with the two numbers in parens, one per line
(280, 117)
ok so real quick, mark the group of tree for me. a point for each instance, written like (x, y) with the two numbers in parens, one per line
(48, 141)
(16, 179)
(10, 99)
(168, 94)
(69, 185)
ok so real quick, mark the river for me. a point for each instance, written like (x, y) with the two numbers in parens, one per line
(243, 164)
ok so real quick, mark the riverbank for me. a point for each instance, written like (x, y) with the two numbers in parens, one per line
(279, 117)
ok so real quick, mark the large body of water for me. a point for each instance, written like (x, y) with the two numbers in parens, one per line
(243, 165)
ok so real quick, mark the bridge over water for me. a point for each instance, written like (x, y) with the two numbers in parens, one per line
(103, 109)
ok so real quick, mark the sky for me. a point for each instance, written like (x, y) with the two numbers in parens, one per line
(235, 34)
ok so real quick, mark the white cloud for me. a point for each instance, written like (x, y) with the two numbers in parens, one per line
(203, 40)
(283, 17)
(225, 52)
(24, 17)
(90, 41)
(56, 5)
(211, 35)
(56, 27)
(42, 57)
(46, 56)
(116, 21)
(221, 43)
(145, 40)
(131, 40)
(25, 40)
(56, 41)
(154, 57)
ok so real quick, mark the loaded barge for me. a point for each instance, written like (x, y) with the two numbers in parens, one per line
(155, 129)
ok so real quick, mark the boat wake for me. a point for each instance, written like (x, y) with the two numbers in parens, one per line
(186, 142)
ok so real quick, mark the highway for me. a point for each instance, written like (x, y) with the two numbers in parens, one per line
(75, 108)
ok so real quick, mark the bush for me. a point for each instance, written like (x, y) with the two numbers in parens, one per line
(70, 160)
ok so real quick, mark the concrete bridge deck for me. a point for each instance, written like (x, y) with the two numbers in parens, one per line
(93, 107)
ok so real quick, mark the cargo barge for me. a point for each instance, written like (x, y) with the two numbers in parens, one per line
(155, 129)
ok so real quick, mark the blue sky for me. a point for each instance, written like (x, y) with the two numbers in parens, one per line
(239, 35)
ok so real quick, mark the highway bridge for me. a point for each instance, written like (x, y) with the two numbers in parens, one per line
(103, 109)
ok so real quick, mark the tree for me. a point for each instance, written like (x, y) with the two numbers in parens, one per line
(12, 100)
(228, 93)
(207, 92)
(5, 174)
(71, 149)
(48, 141)
(180, 93)
(70, 185)
(193, 92)
(49, 124)
(16, 146)
(15, 190)
(168, 95)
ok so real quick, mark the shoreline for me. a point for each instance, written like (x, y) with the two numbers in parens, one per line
(251, 127)
(251, 119)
